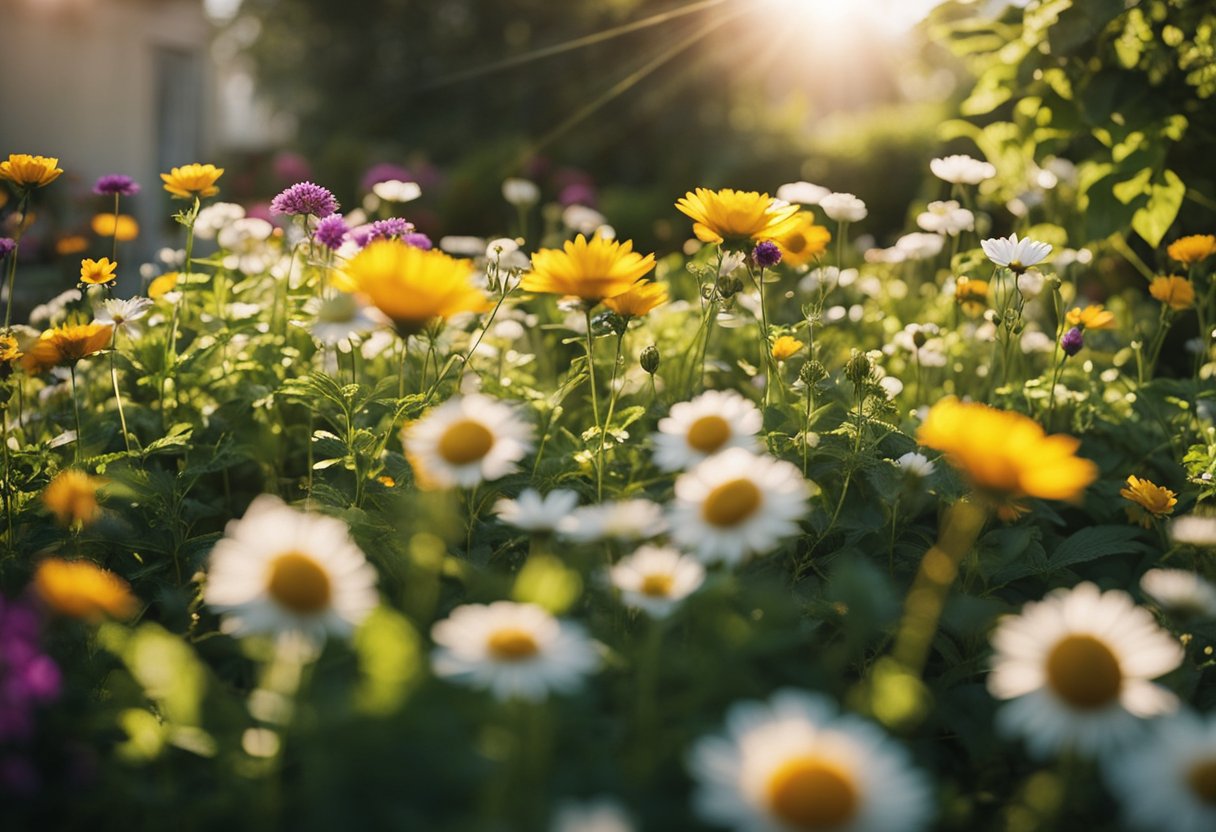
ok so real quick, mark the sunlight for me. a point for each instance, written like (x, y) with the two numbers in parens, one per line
(890, 15)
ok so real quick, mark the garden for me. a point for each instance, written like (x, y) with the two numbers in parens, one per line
(758, 505)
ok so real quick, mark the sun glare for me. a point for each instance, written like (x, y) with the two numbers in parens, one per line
(891, 15)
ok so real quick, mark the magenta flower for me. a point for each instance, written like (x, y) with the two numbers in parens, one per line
(304, 199)
(116, 184)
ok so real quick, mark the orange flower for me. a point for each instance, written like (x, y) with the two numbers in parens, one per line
(971, 295)
(1150, 501)
(1093, 316)
(804, 242)
(1193, 249)
(1176, 292)
(639, 300)
(191, 181)
(72, 497)
(98, 272)
(127, 227)
(160, 286)
(592, 270)
(719, 216)
(785, 346)
(26, 171)
(71, 244)
(81, 589)
(66, 344)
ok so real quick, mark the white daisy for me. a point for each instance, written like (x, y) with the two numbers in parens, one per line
(600, 815)
(1077, 666)
(710, 423)
(122, 314)
(467, 440)
(795, 763)
(516, 651)
(534, 513)
(1017, 255)
(521, 193)
(655, 579)
(920, 246)
(1194, 530)
(1181, 592)
(394, 190)
(916, 465)
(946, 217)
(286, 572)
(843, 207)
(803, 193)
(1168, 783)
(215, 217)
(961, 170)
(342, 317)
(626, 520)
(737, 504)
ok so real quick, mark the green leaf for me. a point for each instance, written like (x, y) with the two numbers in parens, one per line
(1097, 542)
(1153, 221)
(390, 662)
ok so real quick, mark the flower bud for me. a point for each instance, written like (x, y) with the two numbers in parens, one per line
(1073, 341)
(858, 367)
(650, 359)
(813, 372)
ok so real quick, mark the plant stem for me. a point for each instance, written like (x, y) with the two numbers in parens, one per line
(76, 411)
(612, 397)
(117, 393)
(12, 258)
(595, 406)
(114, 243)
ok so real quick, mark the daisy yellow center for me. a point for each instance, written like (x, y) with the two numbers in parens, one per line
(657, 585)
(465, 441)
(731, 503)
(708, 434)
(812, 793)
(512, 644)
(1084, 672)
(299, 583)
(1201, 777)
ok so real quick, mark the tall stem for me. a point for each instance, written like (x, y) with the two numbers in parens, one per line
(114, 236)
(612, 396)
(117, 393)
(8, 486)
(76, 411)
(595, 402)
(12, 257)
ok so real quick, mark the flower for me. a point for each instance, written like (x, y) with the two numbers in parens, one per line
(624, 520)
(10, 351)
(1194, 530)
(766, 254)
(28, 676)
(1073, 341)
(946, 218)
(331, 232)
(1186, 250)
(1031, 283)
(520, 192)
(7, 246)
(1093, 316)
(467, 440)
(641, 298)
(395, 190)
(654, 579)
(122, 314)
(71, 244)
(534, 513)
(712, 422)
(1005, 455)
(785, 347)
(215, 218)
(591, 270)
(411, 286)
(971, 295)
(81, 589)
(1016, 255)
(1150, 502)
(516, 651)
(602, 815)
(734, 216)
(304, 199)
(192, 181)
(920, 246)
(72, 497)
(341, 317)
(735, 504)
(1181, 592)
(803, 193)
(289, 573)
(961, 170)
(804, 242)
(247, 245)
(916, 465)
(116, 184)
(843, 207)
(97, 272)
(795, 763)
(67, 344)
(1077, 666)
(124, 227)
(1176, 292)
(162, 285)
(1167, 783)
(27, 171)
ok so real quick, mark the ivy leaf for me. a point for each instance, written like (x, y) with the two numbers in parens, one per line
(1165, 201)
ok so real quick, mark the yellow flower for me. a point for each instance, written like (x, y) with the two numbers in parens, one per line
(127, 227)
(1191, 250)
(9, 349)
(971, 295)
(591, 270)
(72, 497)
(66, 344)
(639, 300)
(160, 286)
(1176, 292)
(1006, 456)
(412, 286)
(719, 216)
(97, 272)
(1091, 317)
(80, 589)
(804, 242)
(27, 171)
(190, 181)
(785, 346)
(1150, 501)
(71, 244)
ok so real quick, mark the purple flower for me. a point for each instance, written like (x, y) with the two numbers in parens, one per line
(1073, 341)
(7, 247)
(417, 240)
(331, 232)
(393, 228)
(116, 184)
(28, 677)
(304, 199)
(766, 254)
